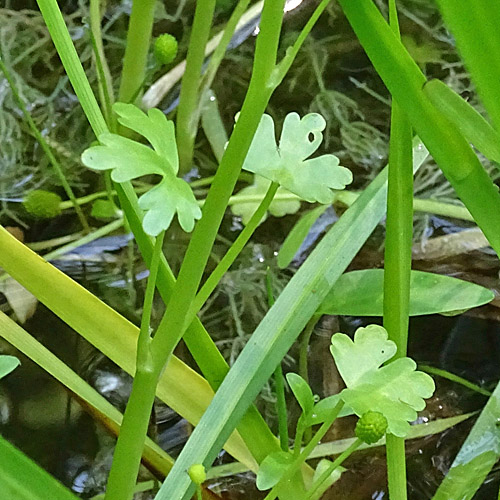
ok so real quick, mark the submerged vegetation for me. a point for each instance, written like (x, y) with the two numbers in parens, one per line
(215, 187)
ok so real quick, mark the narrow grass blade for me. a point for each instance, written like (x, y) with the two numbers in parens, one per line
(360, 293)
(475, 28)
(404, 80)
(476, 457)
(278, 330)
(472, 125)
(23, 479)
(159, 461)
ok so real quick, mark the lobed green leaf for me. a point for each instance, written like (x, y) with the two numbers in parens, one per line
(312, 180)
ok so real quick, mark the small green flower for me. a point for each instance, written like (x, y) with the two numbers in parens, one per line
(42, 204)
(165, 49)
(371, 427)
(197, 474)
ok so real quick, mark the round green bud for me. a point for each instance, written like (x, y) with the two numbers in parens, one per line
(165, 49)
(371, 427)
(197, 474)
(42, 204)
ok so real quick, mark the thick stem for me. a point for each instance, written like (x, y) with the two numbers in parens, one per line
(187, 125)
(136, 51)
(399, 228)
(128, 451)
(129, 448)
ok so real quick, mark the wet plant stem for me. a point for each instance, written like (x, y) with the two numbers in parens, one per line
(46, 148)
(130, 444)
(306, 451)
(137, 48)
(187, 125)
(279, 379)
(397, 262)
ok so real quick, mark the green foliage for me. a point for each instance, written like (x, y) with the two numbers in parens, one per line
(371, 427)
(23, 479)
(396, 390)
(272, 468)
(302, 393)
(361, 293)
(42, 204)
(257, 190)
(129, 159)
(472, 125)
(165, 49)
(8, 364)
(287, 164)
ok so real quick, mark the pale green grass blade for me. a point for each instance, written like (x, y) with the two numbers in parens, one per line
(360, 293)
(278, 330)
(180, 387)
(91, 399)
(476, 457)
(69, 57)
(451, 151)
(23, 479)
(472, 125)
(475, 26)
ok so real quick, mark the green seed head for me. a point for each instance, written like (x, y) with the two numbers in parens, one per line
(197, 474)
(42, 204)
(371, 427)
(165, 49)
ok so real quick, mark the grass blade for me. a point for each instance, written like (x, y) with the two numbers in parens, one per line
(476, 457)
(470, 123)
(475, 28)
(23, 479)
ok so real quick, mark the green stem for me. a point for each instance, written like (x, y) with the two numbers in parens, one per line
(279, 379)
(129, 448)
(304, 347)
(187, 124)
(104, 79)
(136, 51)
(301, 458)
(336, 463)
(303, 352)
(230, 256)
(218, 55)
(399, 227)
(46, 148)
